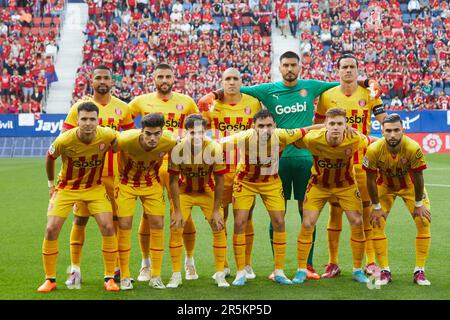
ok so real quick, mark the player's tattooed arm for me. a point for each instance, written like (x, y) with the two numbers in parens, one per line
(50, 169)
(217, 222)
(419, 209)
(377, 211)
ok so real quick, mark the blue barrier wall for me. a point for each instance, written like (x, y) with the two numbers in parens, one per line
(45, 125)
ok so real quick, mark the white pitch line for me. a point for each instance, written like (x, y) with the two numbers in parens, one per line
(437, 185)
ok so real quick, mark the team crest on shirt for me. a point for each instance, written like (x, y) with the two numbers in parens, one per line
(404, 161)
(362, 102)
(248, 110)
(303, 92)
(180, 107)
(118, 111)
(101, 146)
(357, 194)
(348, 152)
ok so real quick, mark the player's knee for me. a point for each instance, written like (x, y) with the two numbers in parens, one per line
(239, 225)
(125, 223)
(80, 221)
(278, 223)
(307, 224)
(51, 232)
(107, 228)
(356, 221)
(156, 223)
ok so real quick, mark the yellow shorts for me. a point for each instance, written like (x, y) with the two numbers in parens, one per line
(316, 196)
(111, 186)
(152, 199)
(95, 199)
(244, 193)
(228, 188)
(387, 197)
(361, 182)
(203, 200)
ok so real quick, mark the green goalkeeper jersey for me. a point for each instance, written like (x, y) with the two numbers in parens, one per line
(293, 107)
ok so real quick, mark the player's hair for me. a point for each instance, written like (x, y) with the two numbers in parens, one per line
(289, 54)
(102, 67)
(392, 118)
(335, 112)
(194, 119)
(163, 66)
(153, 120)
(262, 114)
(87, 106)
(346, 55)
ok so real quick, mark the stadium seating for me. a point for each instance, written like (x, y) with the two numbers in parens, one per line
(32, 39)
(195, 39)
(390, 62)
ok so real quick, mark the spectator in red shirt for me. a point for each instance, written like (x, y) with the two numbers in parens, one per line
(293, 20)
(5, 85)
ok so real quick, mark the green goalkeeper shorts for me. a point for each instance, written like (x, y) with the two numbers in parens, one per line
(295, 173)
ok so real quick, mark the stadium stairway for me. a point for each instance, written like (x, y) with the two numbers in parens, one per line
(69, 57)
(280, 44)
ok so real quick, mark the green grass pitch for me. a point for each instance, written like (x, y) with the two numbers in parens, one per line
(24, 199)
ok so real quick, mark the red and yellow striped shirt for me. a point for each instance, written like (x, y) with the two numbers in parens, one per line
(115, 115)
(359, 108)
(333, 166)
(258, 161)
(394, 169)
(226, 119)
(139, 167)
(82, 164)
(196, 171)
(175, 110)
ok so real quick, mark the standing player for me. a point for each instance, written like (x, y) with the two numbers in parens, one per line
(115, 114)
(332, 177)
(292, 103)
(141, 154)
(83, 151)
(398, 161)
(257, 173)
(232, 114)
(175, 107)
(196, 159)
(359, 106)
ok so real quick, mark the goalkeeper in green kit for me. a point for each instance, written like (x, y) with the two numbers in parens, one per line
(292, 102)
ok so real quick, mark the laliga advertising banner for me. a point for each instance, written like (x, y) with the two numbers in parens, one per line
(430, 128)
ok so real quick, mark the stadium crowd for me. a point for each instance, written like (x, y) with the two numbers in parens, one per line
(200, 40)
(29, 32)
(403, 44)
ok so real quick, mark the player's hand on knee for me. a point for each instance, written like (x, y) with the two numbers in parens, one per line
(422, 212)
(176, 220)
(375, 217)
(217, 222)
(351, 132)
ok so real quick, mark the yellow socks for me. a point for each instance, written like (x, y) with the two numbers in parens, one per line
(334, 229)
(124, 238)
(304, 243)
(239, 251)
(189, 237)
(77, 236)
(49, 255)
(249, 236)
(109, 250)
(220, 249)
(358, 244)
(156, 250)
(423, 239)
(279, 249)
(144, 237)
(380, 244)
(368, 233)
(176, 248)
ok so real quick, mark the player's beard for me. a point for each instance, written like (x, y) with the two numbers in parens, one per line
(165, 91)
(103, 89)
(394, 143)
(292, 77)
